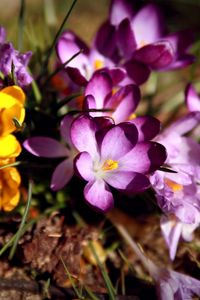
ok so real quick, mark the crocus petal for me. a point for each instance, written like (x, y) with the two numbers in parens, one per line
(184, 124)
(130, 182)
(124, 102)
(125, 39)
(171, 231)
(145, 157)
(83, 131)
(62, 174)
(119, 10)
(137, 71)
(15, 92)
(105, 41)
(99, 86)
(148, 127)
(157, 55)
(118, 141)
(9, 147)
(180, 41)
(76, 76)
(192, 99)
(148, 25)
(84, 166)
(45, 147)
(117, 74)
(68, 46)
(98, 195)
(65, 127)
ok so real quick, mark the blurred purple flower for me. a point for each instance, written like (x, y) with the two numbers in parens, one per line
(170, 285)
(82, 67)
(142, 37)
(112, 157)
(178, 193)
(173, 230)
(9, 56)
(192, 98)
(51, 148)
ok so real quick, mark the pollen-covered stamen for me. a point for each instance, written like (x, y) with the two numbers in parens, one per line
(174, 186)
(109, 165)
(98, 64)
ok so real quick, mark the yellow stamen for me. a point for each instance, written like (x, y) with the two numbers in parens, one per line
(98, 64)
(142, 43)
(175, 187)
(109, 165)
(132, 116)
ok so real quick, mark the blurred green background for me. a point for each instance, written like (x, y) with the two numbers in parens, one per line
(43, 17)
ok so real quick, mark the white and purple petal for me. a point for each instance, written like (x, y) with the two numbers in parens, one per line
(98, 195)
(120, 10)
(124, 102)
(99, 86)
(83, 131)
(118, 141)
(129, 182)
(148, 25)
(144, 158)
(84, 166)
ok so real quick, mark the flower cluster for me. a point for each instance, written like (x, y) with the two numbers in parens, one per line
(108, 145)
(12, 100)
(103, 139)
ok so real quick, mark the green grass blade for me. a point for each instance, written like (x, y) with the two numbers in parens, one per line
(109, 285)
(20, 230)
(79, 295)
(58, 34)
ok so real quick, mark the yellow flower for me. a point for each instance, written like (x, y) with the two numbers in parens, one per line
(9, 147)
(12, 101)
(9, 188)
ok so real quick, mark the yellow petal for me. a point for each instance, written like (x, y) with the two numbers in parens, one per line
(9, 188)
(7, 116)
(14, 92)
(9, 147)
(6, 161)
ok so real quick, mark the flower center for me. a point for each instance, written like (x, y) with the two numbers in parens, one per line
(109, 165)
(98, 64)
(175, 187)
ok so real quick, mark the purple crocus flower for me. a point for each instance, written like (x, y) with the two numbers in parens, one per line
(178, 193)
(122, 104)
(173, 230)
(99, 95)
(170, 285)
(48, 147)
(9, 55)
(82, 67)
(112, 157)
(142, 37)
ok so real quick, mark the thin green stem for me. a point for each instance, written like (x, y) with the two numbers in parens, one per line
(58, 34)
(62, 66)
(21, 25)
(20, 230)
(17, 163)
(108, 283)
